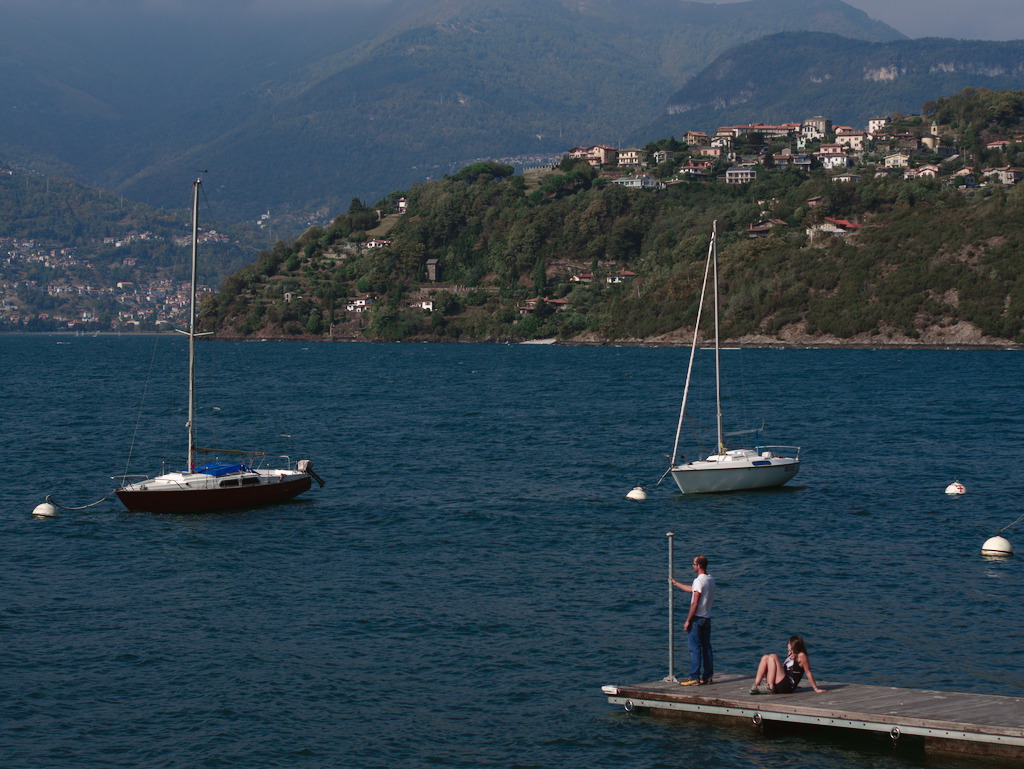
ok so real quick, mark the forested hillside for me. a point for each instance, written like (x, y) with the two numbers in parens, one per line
(879, 258)
(927, 256)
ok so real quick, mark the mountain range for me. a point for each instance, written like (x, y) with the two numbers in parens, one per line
(778, 77)
(303, 110)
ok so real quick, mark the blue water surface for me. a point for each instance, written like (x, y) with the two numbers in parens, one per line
(472, 573)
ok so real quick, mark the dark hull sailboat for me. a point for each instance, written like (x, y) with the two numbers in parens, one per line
(218, 485)
(194, 492)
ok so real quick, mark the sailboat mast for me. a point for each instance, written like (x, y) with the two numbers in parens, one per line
(718, 366)
(693, 353)
(192, 329)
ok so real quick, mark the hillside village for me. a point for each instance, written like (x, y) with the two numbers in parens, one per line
(737, 154)
(896, 147)
(78, 293)
(905, 148)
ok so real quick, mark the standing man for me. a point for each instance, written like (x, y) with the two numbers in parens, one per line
(698, 623)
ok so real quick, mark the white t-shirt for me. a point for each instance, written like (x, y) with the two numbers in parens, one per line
(705, 585)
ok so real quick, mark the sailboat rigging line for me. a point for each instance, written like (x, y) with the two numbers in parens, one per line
(206, 202)
(138, 419)
(54, 502)
(693, 347)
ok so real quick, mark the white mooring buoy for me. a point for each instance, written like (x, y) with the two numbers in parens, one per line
(45, 510)
(997, 545)
(637, 493)
(956, 488)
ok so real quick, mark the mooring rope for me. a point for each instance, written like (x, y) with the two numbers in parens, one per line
(53, 502)
(1012, 524)
(696, 431)
(663, 476)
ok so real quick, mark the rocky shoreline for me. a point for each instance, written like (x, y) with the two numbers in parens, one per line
(678, 340)
(961, 336)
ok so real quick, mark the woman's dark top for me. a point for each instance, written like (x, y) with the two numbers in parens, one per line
(793, 675)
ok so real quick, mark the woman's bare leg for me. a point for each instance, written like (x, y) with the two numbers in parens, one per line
(775, 671)
(762, 667)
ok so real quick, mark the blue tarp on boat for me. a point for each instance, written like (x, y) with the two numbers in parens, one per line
(217, 469)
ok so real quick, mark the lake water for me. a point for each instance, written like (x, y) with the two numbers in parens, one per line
(472, 574)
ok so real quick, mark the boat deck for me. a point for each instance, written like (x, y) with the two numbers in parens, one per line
(979, 724)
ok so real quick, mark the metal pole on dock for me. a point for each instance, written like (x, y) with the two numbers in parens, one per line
(671, 598)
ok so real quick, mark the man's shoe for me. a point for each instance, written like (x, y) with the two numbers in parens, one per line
(706, 681)
(690, 682)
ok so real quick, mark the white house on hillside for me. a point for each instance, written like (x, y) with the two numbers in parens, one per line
(632, 157)
(737, 175)
(816, 127)
(1005, 175)
(359, 304)
(833, 156)
(850, 138)
(639, 182)
(876, 124)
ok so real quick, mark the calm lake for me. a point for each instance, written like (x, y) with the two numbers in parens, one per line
(472, 574)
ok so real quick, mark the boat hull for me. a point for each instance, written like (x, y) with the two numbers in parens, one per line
(712, 476)
(208, 500)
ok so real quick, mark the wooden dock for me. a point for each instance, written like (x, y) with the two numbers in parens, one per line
(957, 722)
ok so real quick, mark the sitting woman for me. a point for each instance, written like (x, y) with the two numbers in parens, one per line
(784, 677)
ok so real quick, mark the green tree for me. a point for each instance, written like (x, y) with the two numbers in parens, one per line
(486, 171)
(315, 323)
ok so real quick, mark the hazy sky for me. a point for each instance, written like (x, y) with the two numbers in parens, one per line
(964, 19)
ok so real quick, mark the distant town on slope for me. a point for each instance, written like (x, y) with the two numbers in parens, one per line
(464, 258)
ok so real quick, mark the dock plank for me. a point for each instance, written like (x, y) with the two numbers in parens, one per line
(950, 721)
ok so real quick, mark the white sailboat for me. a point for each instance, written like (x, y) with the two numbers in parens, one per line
(736, 469)
(216, 485)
